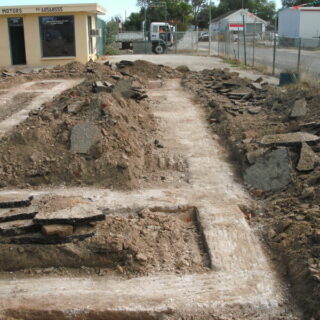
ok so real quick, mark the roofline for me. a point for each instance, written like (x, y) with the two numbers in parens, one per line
(98, 8)
(234, 11)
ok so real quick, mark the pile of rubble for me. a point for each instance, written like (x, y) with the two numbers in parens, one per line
(71, 232)
(22, 222)
(273, 135)
(99, 133)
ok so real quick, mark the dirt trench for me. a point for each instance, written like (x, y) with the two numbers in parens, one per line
(240, 282)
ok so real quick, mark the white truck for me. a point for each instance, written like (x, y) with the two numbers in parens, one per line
(160, 36)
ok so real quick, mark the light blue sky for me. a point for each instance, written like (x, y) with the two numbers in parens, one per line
(113, 7)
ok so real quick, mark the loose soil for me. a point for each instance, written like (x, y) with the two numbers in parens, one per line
(288, 219)
(38, 152)
(132, 242)
(16, 104)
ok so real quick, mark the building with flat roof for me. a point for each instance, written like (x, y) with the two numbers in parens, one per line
(299, 22)
(48, 34)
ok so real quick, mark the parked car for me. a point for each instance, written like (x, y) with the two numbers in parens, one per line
(204, 36)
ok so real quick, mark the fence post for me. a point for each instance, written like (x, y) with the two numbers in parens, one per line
(244, 41)
(254, 42)
(218, 44)
(238, 40)
(274, 45)
(299, 56)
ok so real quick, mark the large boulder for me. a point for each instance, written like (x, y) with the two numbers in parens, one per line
(270, 172)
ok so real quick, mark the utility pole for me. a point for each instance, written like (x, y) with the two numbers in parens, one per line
(244, 38)
(210, 35)
(274, 44)
(144, 30)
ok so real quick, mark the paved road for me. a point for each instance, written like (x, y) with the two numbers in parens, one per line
(286, 59)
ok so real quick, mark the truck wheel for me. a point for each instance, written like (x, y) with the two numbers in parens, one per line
(159, 49)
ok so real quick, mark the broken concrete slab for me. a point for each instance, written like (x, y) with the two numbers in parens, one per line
(58, 230)
(286, 139)
(254, 110)
(38, 238)
(84, 136)
(270, 172)
(299, 109)
(12, 228)
(256, 86)
(99, 86)
(308, 158)
(75, 215)
(14, 202)
(17, 213)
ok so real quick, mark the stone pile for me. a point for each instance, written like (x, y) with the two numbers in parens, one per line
(22, 222)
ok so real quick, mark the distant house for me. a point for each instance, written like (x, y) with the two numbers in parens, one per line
(233, 21)
(299, 22)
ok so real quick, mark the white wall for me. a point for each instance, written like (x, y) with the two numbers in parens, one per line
(289, 23)
(309, 24)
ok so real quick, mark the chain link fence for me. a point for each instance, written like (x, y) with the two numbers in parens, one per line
(270, 52)
(264, 50)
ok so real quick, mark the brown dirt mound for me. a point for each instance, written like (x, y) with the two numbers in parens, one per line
(148, 70)
(127, 241)
(290, 217)
(40, 152)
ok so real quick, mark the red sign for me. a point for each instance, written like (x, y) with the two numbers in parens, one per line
(235, 25)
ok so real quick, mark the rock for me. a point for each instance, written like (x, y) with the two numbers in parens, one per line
(124, 63)
(57, 230)
(316, 236)
(254, 110)
(256, 86)
(258, 80)
(100, 86)
(14, 202)
(308, 193)
(38, 238)
(84, 136)
(285, 139)
(141, 257)
(252, 156)
(74, 107)
(270, 172)
(250, 134)
(183, 69)
(299, 109)
(81, 213)
(12, 228)
(17, 214)
(307, 158)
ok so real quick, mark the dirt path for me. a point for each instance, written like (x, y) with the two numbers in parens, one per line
(18, 101)
(241, 283)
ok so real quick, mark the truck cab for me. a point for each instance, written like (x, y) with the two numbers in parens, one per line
(161, 36)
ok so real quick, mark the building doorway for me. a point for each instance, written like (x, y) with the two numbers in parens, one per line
(17, 45)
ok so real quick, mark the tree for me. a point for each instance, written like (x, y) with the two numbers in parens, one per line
(174, 11)
(263, 8)
(134, 22)
(203, 17)
(292, 3)
(112, 29)
(197, 7)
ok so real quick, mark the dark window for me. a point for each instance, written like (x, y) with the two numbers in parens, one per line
(57, 36)
(89, 33)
